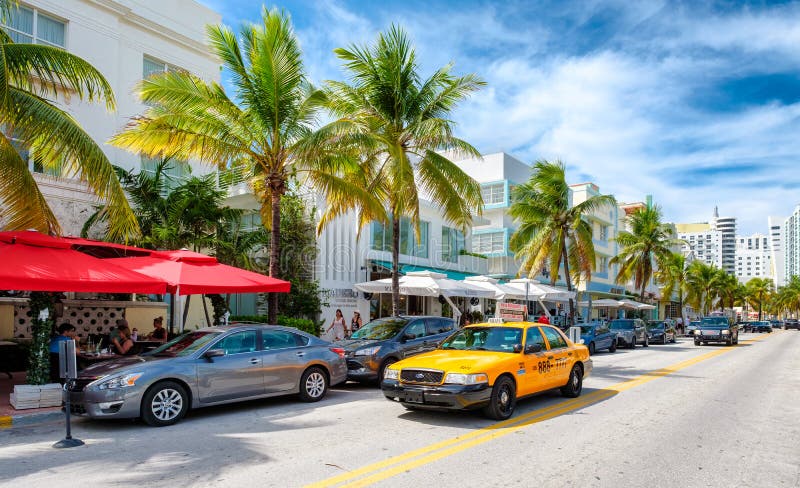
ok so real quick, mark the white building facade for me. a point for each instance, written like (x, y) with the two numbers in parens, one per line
(791, 228)
(125, 40)
(777, 249)
(701, 243)
(753, 257)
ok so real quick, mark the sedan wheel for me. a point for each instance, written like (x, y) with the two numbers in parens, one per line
(591, 348)
(164, 404)
(664, 341)
(313, 385)
(503, 400)
(613, 346)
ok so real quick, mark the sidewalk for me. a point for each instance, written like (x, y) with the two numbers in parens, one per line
(10, 417)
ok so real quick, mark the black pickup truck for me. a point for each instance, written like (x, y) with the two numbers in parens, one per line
(716, 329)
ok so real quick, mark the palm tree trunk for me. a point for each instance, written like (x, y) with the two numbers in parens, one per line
(274, 253)
(395, 265)
(567, 277)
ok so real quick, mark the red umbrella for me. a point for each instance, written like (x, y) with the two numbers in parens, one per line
(191, 273)
(52, 266)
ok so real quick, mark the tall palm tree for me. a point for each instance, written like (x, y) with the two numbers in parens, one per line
(758, 292)
(672, 274)
(702, 282)
(31, 77)
(399, 126)
(788, 296)
(552, 232)
(729, 289)
(272, 113)
(644, 247)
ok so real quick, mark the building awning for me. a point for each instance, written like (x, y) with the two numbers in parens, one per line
(408, 268)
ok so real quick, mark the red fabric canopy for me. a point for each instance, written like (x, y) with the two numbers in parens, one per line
(52, 267)
(190, 273)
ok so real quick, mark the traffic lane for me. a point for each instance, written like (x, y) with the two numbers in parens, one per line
(666, 432)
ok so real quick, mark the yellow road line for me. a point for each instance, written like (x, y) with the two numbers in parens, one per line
(439, 450)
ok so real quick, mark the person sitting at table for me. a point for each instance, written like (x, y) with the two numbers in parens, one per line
(113, 335)
(66, 332)
(159, 333)
(124, 344)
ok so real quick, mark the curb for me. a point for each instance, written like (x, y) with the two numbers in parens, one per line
(28, 419)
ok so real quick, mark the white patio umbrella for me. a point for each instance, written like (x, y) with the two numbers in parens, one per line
(501, 291)
(428, 284)
(528, 289)
(603, 303)
(634, 305)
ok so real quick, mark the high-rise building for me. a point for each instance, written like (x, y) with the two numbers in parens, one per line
(753, 257)
(791, 229)
(777, 248)
(727, 227)
(126, 40)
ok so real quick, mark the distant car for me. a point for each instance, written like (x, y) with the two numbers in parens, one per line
(761, 326)
(381, 342)
(716, 329)
(776, 324)
(791, 324)
(660, 331)
(743, 326)
(693, 326)
(210, 366)
(489, 367)
(597, 336)
(630, 332)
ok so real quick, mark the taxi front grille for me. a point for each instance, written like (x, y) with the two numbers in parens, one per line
(421, 376)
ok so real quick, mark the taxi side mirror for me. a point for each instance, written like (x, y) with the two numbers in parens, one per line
(533, 348)
(517, 348)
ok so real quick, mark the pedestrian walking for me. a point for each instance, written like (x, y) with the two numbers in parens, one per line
(355, 322)
(339, 326)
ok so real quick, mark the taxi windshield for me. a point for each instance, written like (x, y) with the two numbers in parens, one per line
(498, 339)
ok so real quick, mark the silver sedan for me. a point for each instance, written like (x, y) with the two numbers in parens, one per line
(207, 367)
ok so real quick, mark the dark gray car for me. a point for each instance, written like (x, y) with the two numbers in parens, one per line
(630, 332)
(207, 367)
(387, 340)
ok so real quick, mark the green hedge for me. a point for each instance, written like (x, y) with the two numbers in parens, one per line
(306, 325)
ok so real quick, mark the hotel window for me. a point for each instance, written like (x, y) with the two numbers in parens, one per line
(602, 265)
(35, 164)
(493, 194)
(603, 232)
(452, 244)
(492, 242)
(175, 174)
(382, 238)
(151, 66)
(250, 222)
(30, 26)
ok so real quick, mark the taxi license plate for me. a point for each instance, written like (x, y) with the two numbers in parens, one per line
(414, 397)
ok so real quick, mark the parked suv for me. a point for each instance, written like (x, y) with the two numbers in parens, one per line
(791, 324)
(387, 340)
(716, 329)
(630, 332)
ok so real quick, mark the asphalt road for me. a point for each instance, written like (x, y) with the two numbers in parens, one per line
(667, 416)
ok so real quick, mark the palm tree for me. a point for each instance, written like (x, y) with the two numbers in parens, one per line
(788, 296)
(702, 282)
(644, 247)
(729, 289)
(758, 292)
(551, 232)
(31, 75)
(672, 274)
(263, 126)
(399, 126)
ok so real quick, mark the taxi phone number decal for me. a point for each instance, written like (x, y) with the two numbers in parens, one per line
(547, 366)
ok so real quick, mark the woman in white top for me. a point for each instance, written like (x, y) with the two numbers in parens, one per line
(339, 326)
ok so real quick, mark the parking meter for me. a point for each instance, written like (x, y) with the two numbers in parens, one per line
(67, 363)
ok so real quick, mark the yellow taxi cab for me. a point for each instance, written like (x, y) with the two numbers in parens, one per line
(489, 366)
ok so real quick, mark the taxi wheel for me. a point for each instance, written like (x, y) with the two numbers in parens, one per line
(503, 400)
(574, 384)
(591, 348)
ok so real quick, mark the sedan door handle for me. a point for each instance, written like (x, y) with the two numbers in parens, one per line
(301, 354)
(255, 361)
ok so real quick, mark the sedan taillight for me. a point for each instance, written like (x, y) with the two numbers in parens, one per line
(338, 350)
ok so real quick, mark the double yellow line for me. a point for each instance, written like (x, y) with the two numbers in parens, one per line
(393, 466)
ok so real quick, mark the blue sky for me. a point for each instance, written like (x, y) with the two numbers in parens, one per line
(696, 103)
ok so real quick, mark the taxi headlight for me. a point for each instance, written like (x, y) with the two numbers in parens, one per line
(466, 379)
(121, 381)
(391, 374)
